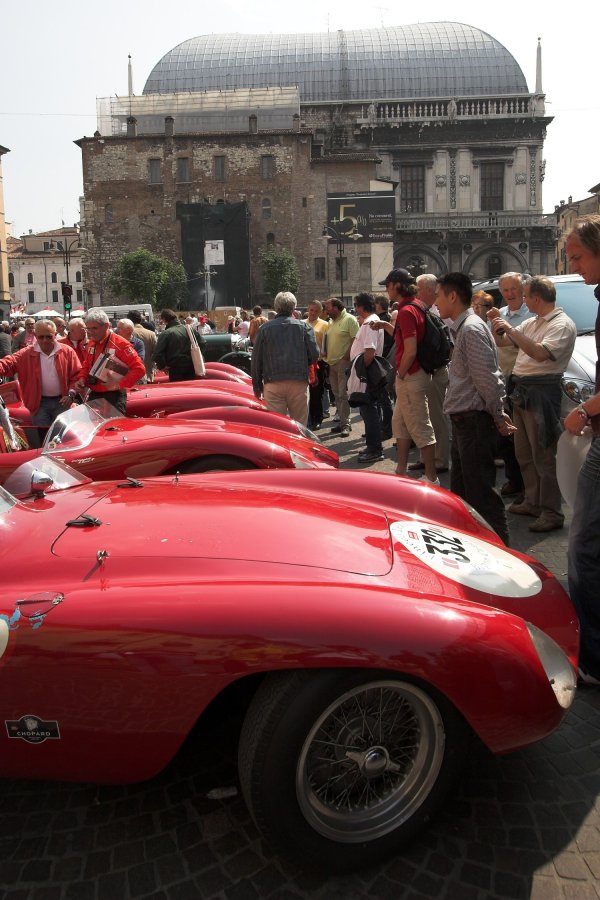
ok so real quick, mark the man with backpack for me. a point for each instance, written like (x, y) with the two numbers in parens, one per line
(411, 420)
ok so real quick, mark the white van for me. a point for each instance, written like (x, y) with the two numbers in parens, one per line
(120, 312)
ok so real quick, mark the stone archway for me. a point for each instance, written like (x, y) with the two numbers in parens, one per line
(403, 257)
(504, 250)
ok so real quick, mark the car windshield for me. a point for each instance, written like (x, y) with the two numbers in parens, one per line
(7, 501)
(578, 301)
(62, 476)
(76, 427)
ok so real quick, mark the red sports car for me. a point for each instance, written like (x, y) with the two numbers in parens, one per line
(101, 444)
(157, 399)
(371, 625)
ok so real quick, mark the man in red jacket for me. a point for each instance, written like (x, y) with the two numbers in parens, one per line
(46, 371)
(106, 344)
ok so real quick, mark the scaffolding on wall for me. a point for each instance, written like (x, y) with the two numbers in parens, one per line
(201, 112)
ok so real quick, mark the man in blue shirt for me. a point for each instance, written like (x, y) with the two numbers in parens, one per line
(515, 312)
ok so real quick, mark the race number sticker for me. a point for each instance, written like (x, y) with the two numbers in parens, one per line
(467, 560)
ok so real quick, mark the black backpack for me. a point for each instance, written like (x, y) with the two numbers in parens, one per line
(433, 352)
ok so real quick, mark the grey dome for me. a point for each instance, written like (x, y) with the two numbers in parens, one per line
(435, 59)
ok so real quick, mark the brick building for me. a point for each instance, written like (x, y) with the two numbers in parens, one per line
(269, 125)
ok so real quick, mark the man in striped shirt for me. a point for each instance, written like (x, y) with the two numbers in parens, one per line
(474, 401)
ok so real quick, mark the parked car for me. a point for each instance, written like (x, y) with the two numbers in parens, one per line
(100, 443)
(370, 626)
(578, 301)
(157, 400)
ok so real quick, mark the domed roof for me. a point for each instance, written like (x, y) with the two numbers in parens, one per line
(435, 59)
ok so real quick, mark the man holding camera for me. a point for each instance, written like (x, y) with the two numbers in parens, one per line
(106, 345)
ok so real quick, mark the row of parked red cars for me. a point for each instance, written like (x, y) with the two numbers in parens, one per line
(203, 547)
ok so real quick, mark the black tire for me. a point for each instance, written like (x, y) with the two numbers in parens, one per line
(240, 359)
(215, 464)
(339, 768)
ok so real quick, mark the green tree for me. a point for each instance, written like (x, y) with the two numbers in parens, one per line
(280, 272)
(144, 277)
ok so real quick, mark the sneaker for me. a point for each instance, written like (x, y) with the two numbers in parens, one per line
(587, 678)
(427, 480)
(337, 429)
(345, 431)
(369, 456)
(524, 508)
(547, 521)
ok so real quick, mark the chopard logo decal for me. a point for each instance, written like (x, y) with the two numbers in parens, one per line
(32, 729)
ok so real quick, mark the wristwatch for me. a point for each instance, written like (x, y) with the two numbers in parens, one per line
(583, 411)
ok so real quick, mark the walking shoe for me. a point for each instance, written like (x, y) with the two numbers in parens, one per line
(587, 678)
(429, 481)
(338, 429)
(547, 521)
(369, 456)
(509, 489)
(345, 431)
(416, 467)
(524, 508)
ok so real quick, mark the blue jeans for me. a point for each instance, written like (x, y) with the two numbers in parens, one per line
(584, 559)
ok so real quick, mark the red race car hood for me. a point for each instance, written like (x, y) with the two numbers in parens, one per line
(214, 522)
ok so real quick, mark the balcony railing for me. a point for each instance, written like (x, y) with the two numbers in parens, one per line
(388, 113)
(418, 222)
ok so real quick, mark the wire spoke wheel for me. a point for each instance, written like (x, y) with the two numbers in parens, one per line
(370, 761)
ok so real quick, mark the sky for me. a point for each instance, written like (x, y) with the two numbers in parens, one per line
(59, 57)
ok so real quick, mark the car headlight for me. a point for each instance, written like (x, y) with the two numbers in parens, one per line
(560, 672)
(300, 462)
(307, 433)
(577, 391)
(477, 516)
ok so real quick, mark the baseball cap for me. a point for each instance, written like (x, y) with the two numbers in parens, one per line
(399, 276)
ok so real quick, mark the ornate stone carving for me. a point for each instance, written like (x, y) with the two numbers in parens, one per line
(532, 176)
(520, 177)
(452, 155)
(542, 169)
(440, 181)
(464, 180)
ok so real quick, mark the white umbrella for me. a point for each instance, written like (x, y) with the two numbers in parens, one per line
(46, 314)
(80, 311)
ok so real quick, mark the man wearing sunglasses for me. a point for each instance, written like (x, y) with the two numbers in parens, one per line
(46, 371)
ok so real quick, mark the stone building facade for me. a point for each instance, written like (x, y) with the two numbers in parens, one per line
(566, 215)
(439, 113)
(37, 265)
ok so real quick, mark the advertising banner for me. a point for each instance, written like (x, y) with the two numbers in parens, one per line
(365, 217)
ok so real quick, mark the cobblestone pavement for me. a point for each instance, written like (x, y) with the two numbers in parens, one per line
(522, 826)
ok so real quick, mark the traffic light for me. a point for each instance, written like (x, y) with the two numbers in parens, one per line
(67, 295)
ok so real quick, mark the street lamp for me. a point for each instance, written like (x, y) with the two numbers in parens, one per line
(66, 288)
(206, 272)
(332, 235)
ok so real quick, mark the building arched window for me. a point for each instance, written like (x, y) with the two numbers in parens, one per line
(30, 278)
(270, 239)
(53, 278)
(266, 208)
(11, 280)
(78, 276)
(108, 213)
